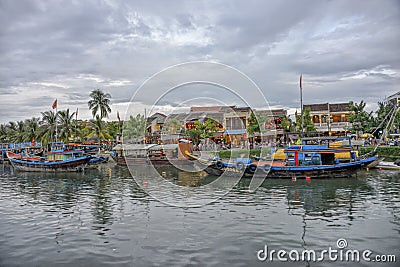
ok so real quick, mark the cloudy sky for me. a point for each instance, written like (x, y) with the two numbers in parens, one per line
(346, 50)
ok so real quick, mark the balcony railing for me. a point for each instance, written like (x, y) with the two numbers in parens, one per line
(334, 124)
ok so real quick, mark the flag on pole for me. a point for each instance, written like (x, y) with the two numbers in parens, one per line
(54, 104)
(119, 119)
(301, 77)
(76, 113)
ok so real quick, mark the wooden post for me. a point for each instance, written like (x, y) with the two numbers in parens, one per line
(296, 157)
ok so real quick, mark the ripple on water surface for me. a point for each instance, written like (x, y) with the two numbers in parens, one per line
(102, 218)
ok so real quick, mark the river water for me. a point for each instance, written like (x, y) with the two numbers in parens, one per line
(103, 218)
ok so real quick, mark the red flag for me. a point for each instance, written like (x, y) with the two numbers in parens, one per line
(54, 104)
(119, 119)
(301, 76)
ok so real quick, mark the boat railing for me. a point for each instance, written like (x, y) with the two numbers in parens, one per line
(20, 145)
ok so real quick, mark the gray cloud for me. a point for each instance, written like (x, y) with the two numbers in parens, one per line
(345, 50)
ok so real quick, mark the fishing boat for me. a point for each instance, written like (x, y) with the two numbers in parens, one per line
(155, 154)
(88, 150)
(300, 162)
(53, 161)
(124, 154)
(98, 160)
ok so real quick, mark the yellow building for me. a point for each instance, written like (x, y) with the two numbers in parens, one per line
(330, 119)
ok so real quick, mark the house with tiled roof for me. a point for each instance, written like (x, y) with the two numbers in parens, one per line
(394, 98)
(330, 118)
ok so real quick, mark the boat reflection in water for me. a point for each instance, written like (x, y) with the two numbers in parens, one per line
(65, 214)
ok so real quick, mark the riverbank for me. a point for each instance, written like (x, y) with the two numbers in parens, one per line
(390, 153)
(238, 153)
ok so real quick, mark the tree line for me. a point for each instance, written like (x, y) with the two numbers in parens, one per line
(43, 129)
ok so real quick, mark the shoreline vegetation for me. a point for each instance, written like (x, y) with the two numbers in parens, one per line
(64, 125)
(390, 153)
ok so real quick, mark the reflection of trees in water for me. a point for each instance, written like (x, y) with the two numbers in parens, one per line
(102, 209)
(169, 173)
(58, 190)
(99, 190)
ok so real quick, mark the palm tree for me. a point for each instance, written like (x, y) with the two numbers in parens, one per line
(135, 127)
(48, 123)
(78, 127)
(17, 131)
(4, 132)
(98, 129)
(12, 131)
(66, 124)
(100, 102)
(360, 119)
(31, 129)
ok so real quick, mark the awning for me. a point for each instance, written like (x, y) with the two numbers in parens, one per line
(238, 131)
(170, 137)
(164, 147)
(131, 147)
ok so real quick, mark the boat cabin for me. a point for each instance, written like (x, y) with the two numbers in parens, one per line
(315, 155)
(63, 155)
(61, 152)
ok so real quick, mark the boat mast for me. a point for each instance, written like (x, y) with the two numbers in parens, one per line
(56, 122)
(389, 126)
(76, 121)
(145, 126)
(301, 104)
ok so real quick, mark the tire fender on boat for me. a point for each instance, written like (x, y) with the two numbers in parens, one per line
(252, 167)
(239, 166)
(266, 167)
(219, 165)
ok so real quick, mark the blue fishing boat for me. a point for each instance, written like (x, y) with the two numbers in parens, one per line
(57, 160)
(300, 162)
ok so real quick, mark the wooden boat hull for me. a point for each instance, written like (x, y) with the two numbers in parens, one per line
(123, 161)
(74, 165)
(174, 162)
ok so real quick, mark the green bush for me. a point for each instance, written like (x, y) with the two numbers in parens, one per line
(225, 154)
(388, 152)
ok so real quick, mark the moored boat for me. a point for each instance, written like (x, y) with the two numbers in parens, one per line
(54, 161)
(300, 162)
(387, 165)
(154, 154)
